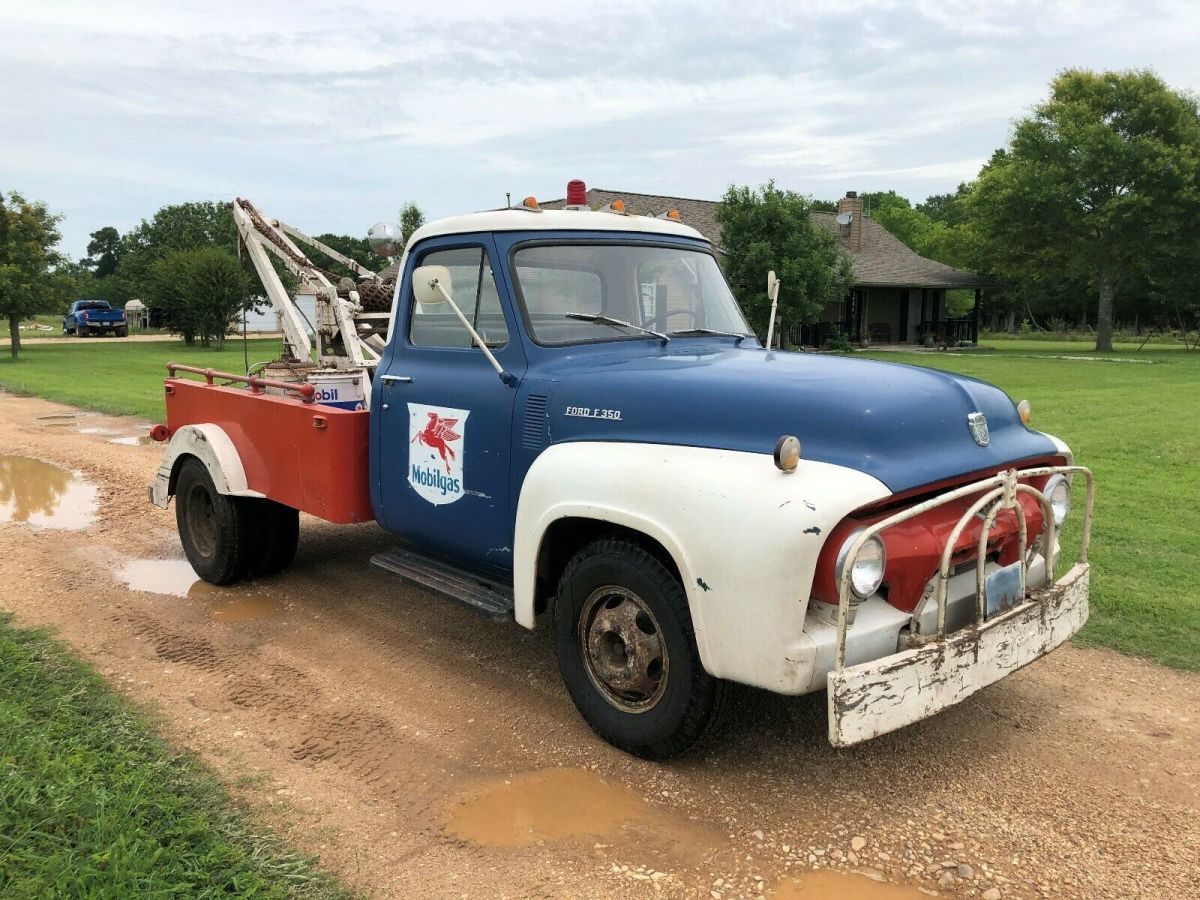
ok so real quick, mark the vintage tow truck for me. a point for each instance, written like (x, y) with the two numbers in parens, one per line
(564, 418)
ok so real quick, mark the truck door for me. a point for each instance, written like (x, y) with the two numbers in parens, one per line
(445, 417)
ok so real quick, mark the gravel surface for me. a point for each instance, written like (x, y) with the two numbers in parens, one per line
(378, 726)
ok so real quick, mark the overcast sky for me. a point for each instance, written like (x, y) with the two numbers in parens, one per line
(330, 117)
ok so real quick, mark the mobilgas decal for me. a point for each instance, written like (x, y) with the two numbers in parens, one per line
(435, 451)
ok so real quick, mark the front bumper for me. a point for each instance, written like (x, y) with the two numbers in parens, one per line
(874, 698)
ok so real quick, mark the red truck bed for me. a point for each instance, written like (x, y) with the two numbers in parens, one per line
(304, 455)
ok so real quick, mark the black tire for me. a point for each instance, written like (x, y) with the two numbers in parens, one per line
(215, 530)
(80, 331)
(635, 673)
(122, 332)
(275, 536)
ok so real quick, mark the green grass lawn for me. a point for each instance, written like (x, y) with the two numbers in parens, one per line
(1134, 420)
(121, 378)
(92, 804)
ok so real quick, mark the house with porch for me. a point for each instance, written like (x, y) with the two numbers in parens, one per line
(897, 297)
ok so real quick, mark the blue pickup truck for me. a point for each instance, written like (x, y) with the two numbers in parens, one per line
(94, 317)
(571, 426)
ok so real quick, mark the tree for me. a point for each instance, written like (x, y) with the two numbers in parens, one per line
(104, 251)
(180, 226)
(356, 248)
(29, 283)
(201, 291)
(765, 228)
(411, 218)
(1101, 182)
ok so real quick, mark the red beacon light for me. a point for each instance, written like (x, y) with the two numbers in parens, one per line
(576, 194)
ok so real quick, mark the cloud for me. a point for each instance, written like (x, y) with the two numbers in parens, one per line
(332, 116)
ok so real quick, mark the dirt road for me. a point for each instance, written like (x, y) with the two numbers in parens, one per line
(422, 750)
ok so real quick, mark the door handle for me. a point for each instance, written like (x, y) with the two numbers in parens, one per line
(392, 379)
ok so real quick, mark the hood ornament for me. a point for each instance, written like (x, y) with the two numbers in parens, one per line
(978, 426)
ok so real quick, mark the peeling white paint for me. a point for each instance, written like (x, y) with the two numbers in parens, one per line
(874, 698)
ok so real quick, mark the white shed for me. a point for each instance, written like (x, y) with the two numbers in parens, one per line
(135, 311)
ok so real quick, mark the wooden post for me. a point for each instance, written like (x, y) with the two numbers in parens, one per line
(924, 314)
(976, 317)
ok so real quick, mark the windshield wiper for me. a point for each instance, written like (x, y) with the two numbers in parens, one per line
(609, 320)
(733, 334)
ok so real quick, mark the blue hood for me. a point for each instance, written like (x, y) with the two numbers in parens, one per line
(904, 425)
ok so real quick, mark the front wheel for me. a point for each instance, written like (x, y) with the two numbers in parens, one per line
(215, 530)
(627, 652)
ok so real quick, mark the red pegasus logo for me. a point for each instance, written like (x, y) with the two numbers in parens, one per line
(437, 435)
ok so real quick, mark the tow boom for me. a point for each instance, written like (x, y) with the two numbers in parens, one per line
(347, 336)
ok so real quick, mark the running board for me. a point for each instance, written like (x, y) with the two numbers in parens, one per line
(491, 598)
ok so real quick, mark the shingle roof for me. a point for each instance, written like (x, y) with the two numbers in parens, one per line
(884, 259)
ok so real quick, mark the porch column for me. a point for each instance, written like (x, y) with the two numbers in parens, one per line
(924, 313)
(977, 317)
(902, 332)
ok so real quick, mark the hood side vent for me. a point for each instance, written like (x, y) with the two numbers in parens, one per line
(534, 434)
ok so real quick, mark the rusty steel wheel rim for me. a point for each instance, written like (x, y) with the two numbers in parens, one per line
(623, 649)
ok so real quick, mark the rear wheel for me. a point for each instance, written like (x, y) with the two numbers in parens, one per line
(214, 529)
(627, 652)
(123, 332)
(80, 331)
(276, 534)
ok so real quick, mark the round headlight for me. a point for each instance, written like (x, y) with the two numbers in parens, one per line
(1025, 411)
(866, 575)
(1058, 492)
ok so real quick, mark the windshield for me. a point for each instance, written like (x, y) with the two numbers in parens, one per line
(573, 293)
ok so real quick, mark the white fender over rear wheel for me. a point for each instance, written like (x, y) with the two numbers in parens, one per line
(627, 652)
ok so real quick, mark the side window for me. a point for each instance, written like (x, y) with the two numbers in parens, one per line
(474, 290)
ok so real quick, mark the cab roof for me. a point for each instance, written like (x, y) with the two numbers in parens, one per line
(552, 220)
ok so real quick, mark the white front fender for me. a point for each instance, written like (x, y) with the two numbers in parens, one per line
(212, 446)
(744, 536)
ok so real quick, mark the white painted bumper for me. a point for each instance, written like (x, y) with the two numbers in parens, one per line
(876, 697)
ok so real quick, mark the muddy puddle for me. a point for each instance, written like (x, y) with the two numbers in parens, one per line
(115, 430)
(829, 885)
(542, 806)
(565, 804)
(133, 440)
(173, 577)
(176, 578)
(44, 495)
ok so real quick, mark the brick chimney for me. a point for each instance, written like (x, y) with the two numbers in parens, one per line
(852, 203)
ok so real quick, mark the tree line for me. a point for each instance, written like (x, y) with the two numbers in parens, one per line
(1088, 218)
(183, 263)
